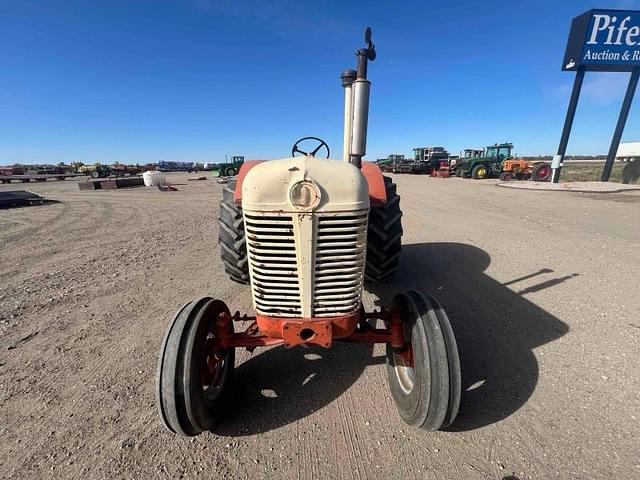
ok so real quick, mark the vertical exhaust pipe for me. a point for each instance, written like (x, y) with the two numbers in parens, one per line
(357, 104)
(347, 77)
(361, 89)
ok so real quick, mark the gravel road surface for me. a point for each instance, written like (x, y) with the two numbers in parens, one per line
(541, 288)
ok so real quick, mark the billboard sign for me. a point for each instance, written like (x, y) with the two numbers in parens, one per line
(604, 40)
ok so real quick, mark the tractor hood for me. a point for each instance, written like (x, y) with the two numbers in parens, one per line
(305, 184)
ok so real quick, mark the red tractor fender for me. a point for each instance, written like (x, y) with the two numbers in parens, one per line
(377, 190)
(372, 173)
(244, 169)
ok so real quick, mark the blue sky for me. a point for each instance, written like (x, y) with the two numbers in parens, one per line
(193, 80)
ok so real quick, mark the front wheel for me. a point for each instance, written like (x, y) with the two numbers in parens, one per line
(425, 379)
(193, 370)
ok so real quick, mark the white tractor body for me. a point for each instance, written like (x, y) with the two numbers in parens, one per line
(306, 231)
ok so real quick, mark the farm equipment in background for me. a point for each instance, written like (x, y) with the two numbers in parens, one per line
(396, 163)
(305, 232)
(122, 170)
(13, 170)
(443, 170)
(515, 168)
(488, 164)
(433, 156)
(467, 153)
(97, 170)
(228, 169)
(387, 164)
(421, 168)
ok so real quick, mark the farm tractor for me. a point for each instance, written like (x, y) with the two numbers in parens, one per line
(304, 233)
(487, 164)
(525, 170)
(96, 170)
(229, 169)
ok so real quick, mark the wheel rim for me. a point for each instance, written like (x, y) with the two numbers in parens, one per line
(208, 368)
(543, 172)
(214, 370)
(482, 172)
(405, 373)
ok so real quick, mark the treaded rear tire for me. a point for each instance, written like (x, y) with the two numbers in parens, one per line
(384, 237)
(475, 173)
(233, 247)
(541, 172)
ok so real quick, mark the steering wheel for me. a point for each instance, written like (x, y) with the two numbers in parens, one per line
(313, 152)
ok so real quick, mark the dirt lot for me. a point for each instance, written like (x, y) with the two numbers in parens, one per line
(541, 288)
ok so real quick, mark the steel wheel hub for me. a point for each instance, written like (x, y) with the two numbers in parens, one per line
(404, 372)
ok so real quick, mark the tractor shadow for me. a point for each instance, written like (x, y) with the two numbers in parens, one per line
(279, 386)
(496, 327)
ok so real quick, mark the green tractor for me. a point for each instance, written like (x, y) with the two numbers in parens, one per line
(488, 164)
(229, 169)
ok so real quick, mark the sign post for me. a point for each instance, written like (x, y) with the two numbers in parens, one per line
(556, 166)
(604, 41)
(622, 119)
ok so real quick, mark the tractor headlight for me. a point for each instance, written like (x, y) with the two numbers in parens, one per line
(304, 195)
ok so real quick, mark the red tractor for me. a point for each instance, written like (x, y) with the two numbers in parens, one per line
(305, 233)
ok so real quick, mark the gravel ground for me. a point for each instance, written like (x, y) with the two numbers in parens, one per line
(541, 288)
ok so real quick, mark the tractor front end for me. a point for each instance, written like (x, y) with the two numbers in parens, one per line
(305, 233)
(306, 238)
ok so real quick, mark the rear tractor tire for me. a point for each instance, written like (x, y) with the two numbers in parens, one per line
(541, 172)
(233, 246)
(384, 237)
(480, 172)
(425, 380)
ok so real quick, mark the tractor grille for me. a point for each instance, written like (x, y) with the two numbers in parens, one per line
(339, 262)
(330, 283)
(274, 273)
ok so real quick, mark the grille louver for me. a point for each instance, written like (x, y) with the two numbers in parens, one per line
(339, 263)
(335, 270)
(272, 257)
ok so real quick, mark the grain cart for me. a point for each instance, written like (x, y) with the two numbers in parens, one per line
(305, 232)
(489, 164)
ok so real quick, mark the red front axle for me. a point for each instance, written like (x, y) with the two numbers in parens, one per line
(266, 331)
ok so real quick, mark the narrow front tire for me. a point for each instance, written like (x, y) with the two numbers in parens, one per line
(425, 379)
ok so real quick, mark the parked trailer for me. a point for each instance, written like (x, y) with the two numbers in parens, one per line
(628, 151)
(37, 177)
(20, 198)
(111, 183)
